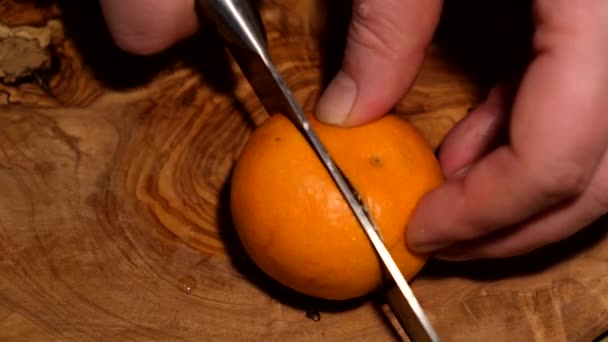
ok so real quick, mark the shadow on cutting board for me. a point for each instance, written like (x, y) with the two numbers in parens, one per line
(533, 262)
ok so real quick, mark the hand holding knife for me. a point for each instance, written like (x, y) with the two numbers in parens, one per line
(240, 25)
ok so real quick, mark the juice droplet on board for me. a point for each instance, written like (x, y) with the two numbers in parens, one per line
(186, 284)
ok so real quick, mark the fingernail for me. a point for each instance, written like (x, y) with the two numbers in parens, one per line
(459, 173)
(420, 242)
(335, 104)
(427, 247)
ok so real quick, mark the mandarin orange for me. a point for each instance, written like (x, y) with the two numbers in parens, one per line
(293, 221)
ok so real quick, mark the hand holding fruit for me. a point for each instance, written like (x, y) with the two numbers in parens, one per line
(551, 178)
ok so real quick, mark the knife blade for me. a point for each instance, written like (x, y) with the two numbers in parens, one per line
(241, 26)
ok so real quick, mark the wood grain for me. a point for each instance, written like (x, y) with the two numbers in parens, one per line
(113, 217)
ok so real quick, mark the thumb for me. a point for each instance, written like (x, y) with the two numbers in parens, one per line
(385, 49)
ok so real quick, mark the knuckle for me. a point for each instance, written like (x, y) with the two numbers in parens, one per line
(600, 197)
(598, 191)
(370, 31)
(563, 181)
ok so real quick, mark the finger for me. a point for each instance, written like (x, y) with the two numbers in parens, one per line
(548, 228)
(149, 26)
(557, 138)
(474, 135)
(385, 48)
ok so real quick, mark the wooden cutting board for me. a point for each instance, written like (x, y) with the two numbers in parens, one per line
(113, 203)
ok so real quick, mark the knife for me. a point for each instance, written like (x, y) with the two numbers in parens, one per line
(241, 26)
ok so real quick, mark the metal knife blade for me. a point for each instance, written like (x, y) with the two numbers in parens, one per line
(242, 28)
